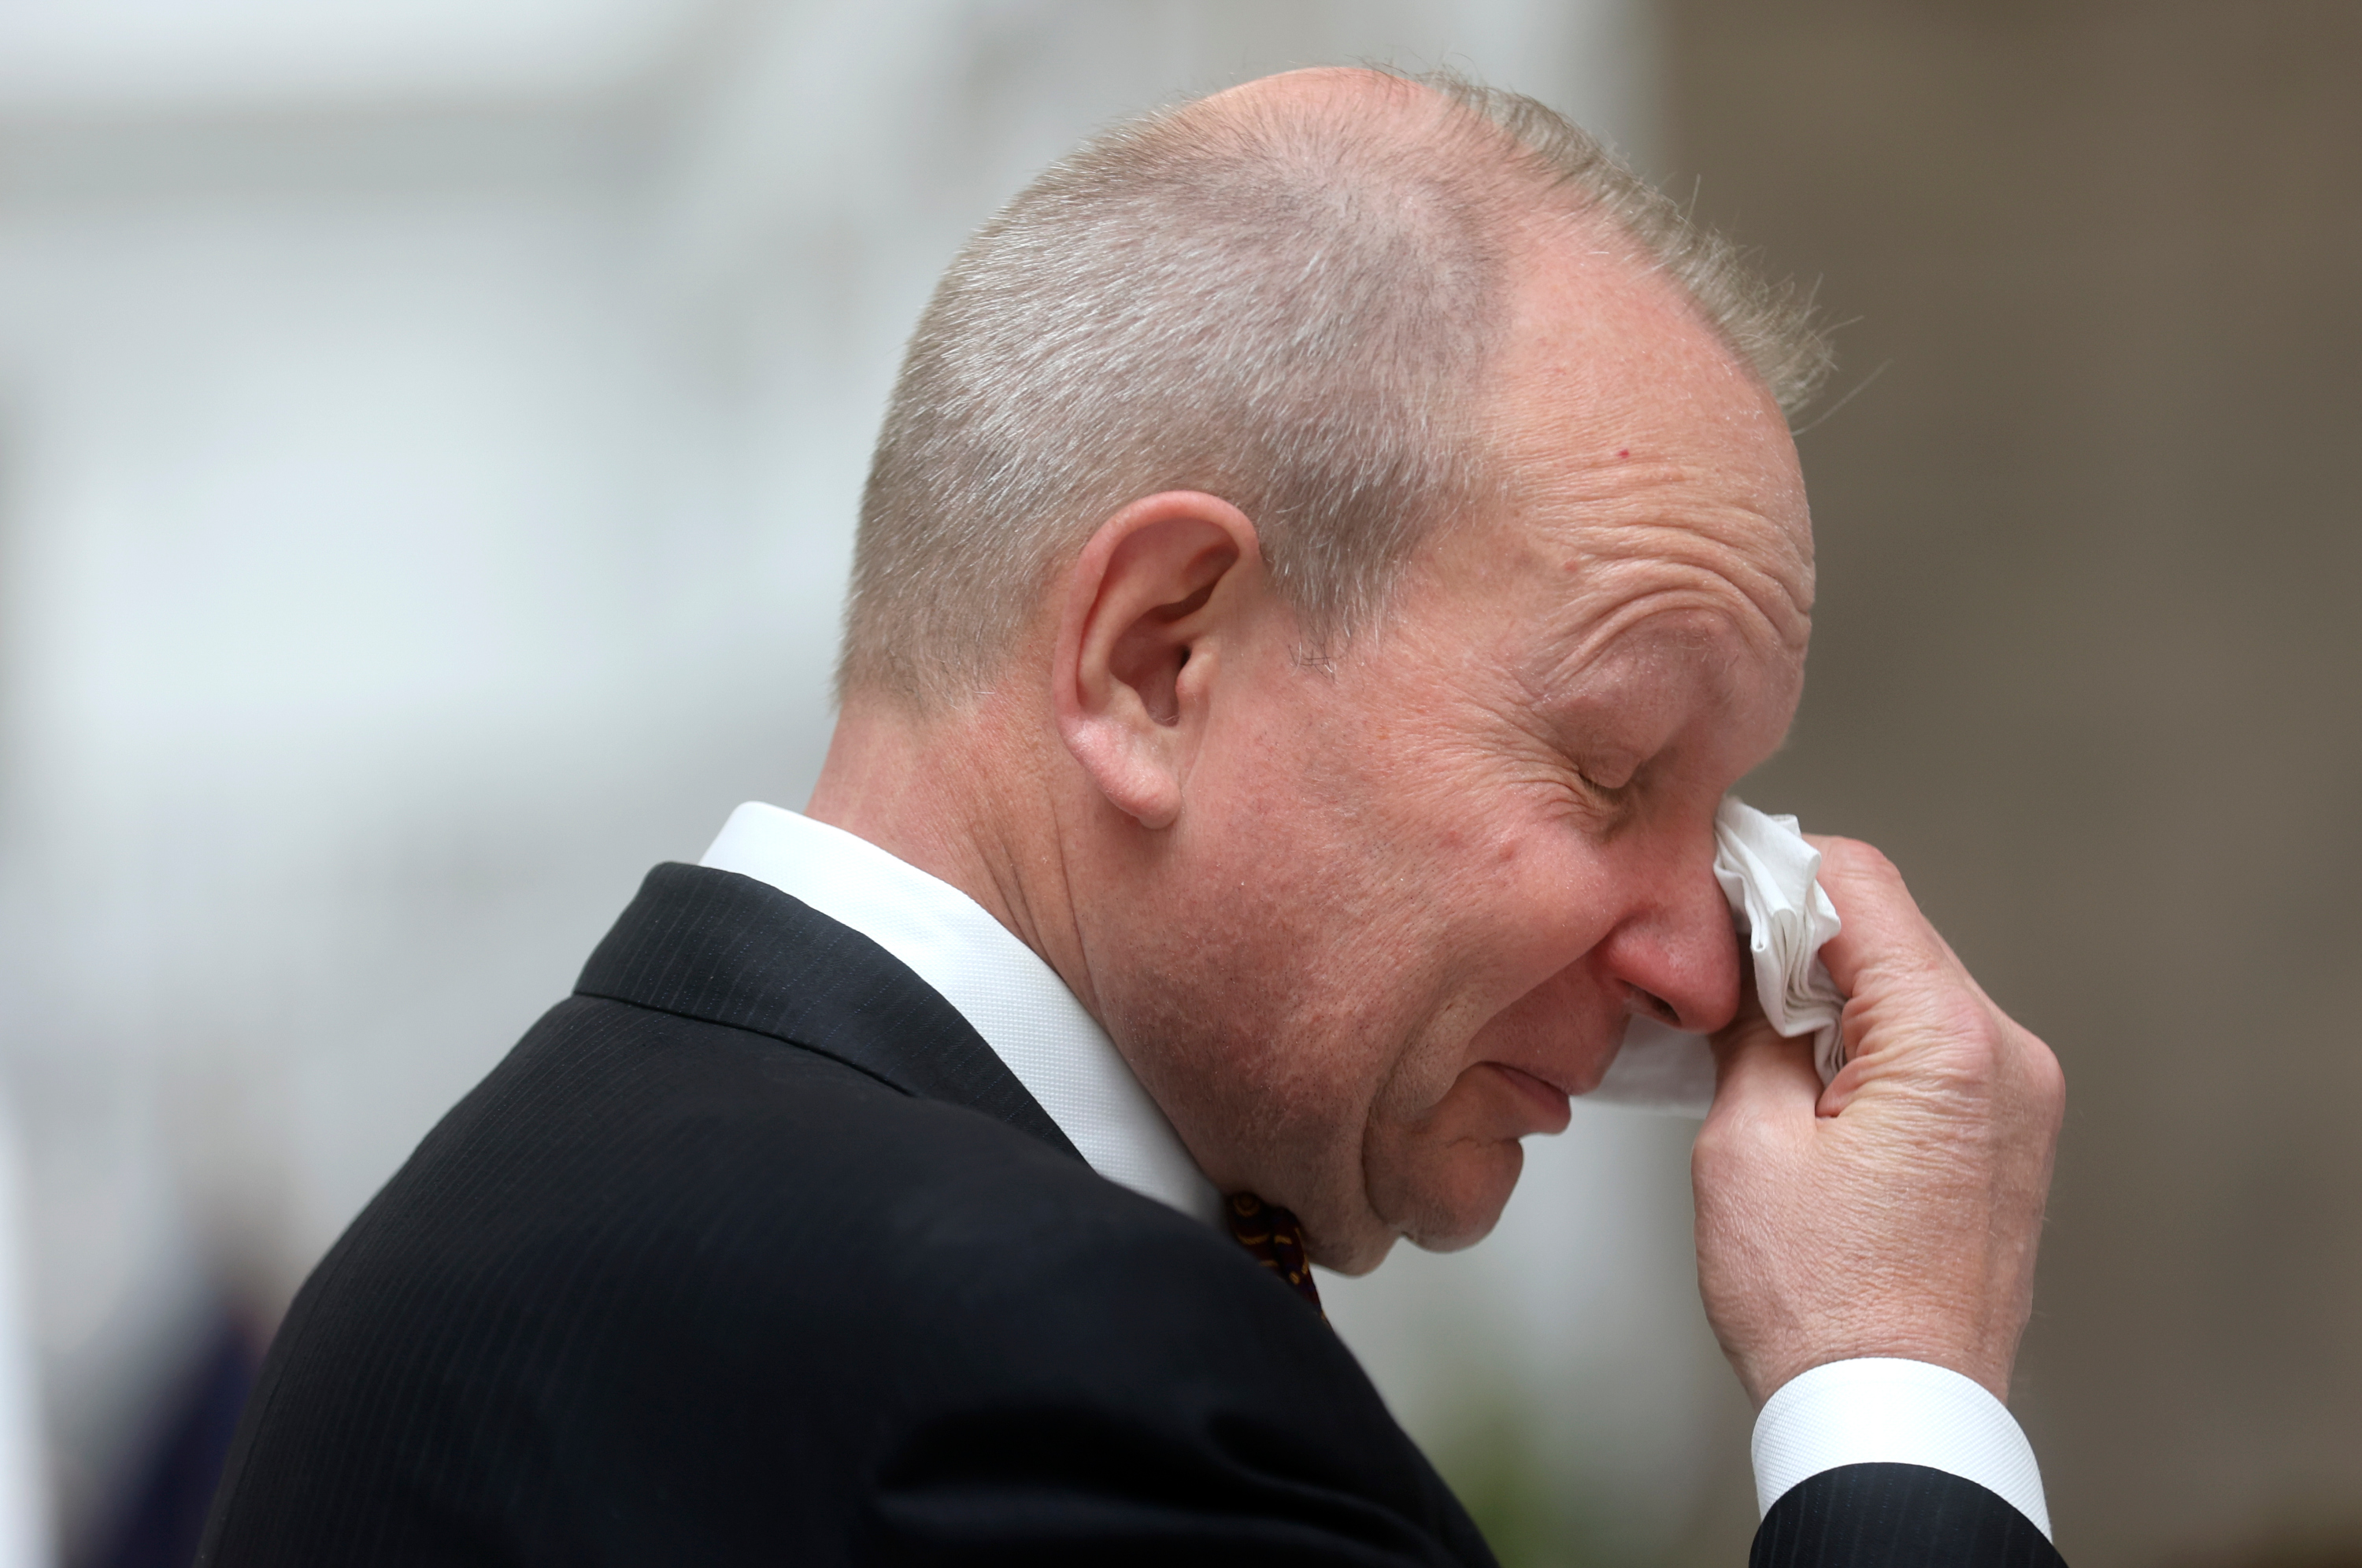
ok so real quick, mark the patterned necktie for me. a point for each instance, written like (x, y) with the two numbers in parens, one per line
(1272, 1234)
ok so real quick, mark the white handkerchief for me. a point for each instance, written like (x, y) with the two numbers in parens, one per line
(1771, 877)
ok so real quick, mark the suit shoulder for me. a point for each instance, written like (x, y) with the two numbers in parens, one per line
(621, 1149)
(670, 1277)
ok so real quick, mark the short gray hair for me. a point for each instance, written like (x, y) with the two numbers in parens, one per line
(1291, 310)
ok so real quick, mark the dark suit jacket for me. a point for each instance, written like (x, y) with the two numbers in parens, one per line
(752, 1252)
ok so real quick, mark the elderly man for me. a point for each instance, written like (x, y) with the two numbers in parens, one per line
(1332, 548)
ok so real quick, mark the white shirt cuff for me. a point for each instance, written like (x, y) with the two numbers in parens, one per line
(1877, 1410)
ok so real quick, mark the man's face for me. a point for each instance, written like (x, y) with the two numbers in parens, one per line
(1411, 901)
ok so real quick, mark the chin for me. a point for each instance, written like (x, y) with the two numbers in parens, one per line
(1454, 1198)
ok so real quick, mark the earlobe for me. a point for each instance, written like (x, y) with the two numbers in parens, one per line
(1147, 605)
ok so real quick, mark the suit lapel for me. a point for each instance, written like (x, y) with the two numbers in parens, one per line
(731, 949)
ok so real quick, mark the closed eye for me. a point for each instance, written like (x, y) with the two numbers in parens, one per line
(1614, 807)
(1608, 794)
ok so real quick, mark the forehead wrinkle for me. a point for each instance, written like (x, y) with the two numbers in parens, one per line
(1599, 637)
(1605, 490)
(1616, 510)
(1639, 560)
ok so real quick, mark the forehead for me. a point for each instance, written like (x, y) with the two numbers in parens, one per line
(1641, 468)
(1649, 543)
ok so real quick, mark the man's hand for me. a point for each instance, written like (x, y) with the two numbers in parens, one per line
(1895, 1213)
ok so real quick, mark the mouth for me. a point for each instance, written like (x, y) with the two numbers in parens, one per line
(1550, 1102)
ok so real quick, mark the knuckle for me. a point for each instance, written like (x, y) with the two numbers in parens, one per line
(1954, 1014)
(2045, 1078)
(1731, 1136)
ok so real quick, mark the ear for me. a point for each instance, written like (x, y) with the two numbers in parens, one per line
(1149, 605)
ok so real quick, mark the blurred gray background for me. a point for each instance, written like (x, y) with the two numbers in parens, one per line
(429, 436)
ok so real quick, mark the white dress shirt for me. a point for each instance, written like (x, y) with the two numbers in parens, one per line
(1847, 1412)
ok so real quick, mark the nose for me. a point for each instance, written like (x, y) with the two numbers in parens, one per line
(1674, 954)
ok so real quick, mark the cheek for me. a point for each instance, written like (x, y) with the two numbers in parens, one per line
(1512, 925)
(1434, 945)
(1270, 986)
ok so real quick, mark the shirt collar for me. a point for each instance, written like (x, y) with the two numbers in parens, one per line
(1000, 985)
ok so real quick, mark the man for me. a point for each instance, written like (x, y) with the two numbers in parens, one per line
(1332, 548)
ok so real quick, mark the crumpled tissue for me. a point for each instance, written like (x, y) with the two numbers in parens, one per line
(1771, 878)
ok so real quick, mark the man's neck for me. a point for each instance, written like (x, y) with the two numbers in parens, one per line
(937, 791)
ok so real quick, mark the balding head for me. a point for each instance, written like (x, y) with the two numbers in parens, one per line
(1288, 295)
